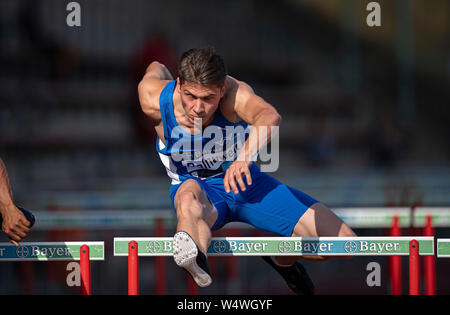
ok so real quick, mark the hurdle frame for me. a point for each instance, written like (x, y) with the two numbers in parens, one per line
(71, 251)
(410, 247)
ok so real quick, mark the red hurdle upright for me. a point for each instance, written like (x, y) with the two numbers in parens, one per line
(414, 268)
(133, 268)
(85, 270)
(429, 262)
(395, 262)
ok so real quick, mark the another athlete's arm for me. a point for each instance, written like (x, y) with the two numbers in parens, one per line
(14, 223)
(259, 114)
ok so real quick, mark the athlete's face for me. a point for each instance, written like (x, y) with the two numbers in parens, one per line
(200, 101)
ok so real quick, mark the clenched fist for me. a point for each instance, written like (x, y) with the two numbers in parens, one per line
(14, 224)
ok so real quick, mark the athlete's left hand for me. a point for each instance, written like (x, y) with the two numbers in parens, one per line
(234, 174)
(14, 224)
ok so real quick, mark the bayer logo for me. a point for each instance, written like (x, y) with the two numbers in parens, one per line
(284, 247)
(22, 251)
(350, 247)
(219, 246)
(153, 247)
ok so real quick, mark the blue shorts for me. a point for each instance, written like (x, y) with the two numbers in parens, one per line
(267, 204)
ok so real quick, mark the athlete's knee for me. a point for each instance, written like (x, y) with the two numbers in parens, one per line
(189, 206)
(346, 231)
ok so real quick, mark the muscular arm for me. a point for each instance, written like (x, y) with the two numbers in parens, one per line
(6, 200)
(14, 223)
(262, 117)
(156, 76)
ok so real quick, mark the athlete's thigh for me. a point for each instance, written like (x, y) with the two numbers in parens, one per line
(270, 205)
(191, 187)
(318, 220)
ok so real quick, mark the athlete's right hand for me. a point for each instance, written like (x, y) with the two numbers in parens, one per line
(14, 224)
(234, 174)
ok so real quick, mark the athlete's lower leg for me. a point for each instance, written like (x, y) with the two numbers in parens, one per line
(195, 216)
(191, 220)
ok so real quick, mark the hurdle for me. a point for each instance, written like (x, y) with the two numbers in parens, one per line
(443, 247)
(283, 246)
(85, 252)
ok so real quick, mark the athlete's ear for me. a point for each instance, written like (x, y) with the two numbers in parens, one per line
(178, 85)
(223, 90)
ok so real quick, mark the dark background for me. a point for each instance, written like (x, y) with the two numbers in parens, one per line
(365, 115)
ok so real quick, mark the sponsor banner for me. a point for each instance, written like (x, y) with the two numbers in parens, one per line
(443, 248)
(100, 219)
(370, 217)
(440, 216)
(49, 251)
(323, 246)
(374, 217)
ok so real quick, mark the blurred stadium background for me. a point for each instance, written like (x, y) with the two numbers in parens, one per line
(365, 117)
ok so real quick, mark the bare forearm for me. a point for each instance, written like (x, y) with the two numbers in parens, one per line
(261, 133)
(6, 199)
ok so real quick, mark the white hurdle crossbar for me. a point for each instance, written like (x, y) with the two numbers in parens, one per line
(443, 248)
(285, 246)
(57, 251)
(48, 251)
(282, 246)
(355, 217)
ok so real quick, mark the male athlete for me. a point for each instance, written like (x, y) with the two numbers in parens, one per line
(210, 191)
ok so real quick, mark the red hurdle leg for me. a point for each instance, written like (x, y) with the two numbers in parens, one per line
(395, 262)
(430, 267)
(414, 268)
(85, 270)
(133, 268)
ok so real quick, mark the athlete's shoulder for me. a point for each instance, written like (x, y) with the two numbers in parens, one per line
(246, 104)
(239, 91)
(149, 90)
(237, 87)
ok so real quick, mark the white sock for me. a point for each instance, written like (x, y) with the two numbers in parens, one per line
(277, 263)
